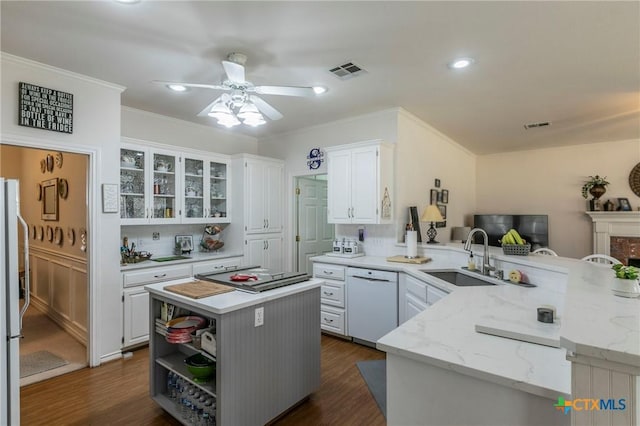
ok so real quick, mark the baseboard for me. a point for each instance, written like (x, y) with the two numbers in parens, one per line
(68, 326)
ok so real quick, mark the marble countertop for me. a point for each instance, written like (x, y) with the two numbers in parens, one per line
(194, 257)
(233, 300)
(592, 321)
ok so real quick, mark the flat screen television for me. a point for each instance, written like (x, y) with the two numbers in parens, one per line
(533, 228)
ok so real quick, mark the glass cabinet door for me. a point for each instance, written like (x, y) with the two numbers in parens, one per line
(194, 190)
(165, 184)
(132, 185)
(218, 188)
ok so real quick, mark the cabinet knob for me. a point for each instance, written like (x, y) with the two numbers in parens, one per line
(328, 272)
(160, 276)
(327, 320)
(327, 293)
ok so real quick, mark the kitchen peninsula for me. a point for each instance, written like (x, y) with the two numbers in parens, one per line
(440, 369)
(267, 350)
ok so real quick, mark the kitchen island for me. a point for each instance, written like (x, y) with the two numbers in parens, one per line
(440, 370)
(261, 370)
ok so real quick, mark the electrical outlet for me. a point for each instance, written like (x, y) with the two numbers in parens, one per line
(156, 236)
(259, 317)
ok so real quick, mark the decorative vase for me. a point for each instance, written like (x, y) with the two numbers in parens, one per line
(597, 191)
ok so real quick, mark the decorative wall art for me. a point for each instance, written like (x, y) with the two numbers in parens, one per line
(50, 199)
(110, 198)
(315, 159)
(63, 188)
(44, 108)
(445, 196)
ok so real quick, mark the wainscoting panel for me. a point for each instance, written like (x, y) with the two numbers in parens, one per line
(61, 289)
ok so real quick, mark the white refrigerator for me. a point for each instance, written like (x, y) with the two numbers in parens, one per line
(10, 312)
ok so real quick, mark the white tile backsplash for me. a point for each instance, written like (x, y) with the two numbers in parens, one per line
(142, 236)
(379, 240)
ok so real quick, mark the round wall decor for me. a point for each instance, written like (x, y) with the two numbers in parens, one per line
(634, 179)
(63, 188)
(39, 190)
(59, 160)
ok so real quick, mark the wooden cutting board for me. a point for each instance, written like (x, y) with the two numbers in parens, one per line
(198, 289)
(402, 259)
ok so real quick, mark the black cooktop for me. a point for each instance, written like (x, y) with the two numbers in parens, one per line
(254, 279)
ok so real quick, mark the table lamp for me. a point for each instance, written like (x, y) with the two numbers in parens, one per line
(431, 214)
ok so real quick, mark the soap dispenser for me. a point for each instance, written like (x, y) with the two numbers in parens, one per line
(471, 265)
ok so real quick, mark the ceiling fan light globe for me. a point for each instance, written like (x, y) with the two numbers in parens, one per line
(254, 123)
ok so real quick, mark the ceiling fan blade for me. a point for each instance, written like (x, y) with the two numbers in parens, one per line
(235, 72)
(285, 90)
(265, 108)
(206, 109)
(199, 85)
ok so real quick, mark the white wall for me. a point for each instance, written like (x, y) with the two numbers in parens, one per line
(549, 181)
(422, 155)
(96, 130)
(152, 127)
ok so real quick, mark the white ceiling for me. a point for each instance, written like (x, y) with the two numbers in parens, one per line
(576, 64)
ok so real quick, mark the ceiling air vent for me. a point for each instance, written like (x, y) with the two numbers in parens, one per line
(348, 70)
(534, 125)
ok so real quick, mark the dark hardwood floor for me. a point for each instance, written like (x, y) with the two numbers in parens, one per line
(118, 393)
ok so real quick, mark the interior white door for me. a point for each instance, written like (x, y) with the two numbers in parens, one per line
(315, 234)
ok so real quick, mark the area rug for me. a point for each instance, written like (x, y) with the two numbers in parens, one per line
(38, 362)
(374, 374)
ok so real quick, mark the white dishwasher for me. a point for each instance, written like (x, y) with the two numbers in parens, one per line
(372, 304)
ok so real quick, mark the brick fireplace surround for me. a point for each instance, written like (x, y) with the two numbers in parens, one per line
(617, 234)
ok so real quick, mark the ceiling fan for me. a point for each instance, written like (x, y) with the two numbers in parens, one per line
(240, 102)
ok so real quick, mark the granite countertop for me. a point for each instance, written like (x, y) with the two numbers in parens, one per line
(233, 300)
(194, 257)
(590, 320)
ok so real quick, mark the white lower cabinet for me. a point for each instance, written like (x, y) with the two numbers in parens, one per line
(136, 316)
(333, 312)
(264, 250)
(415, 296)
(135, 299)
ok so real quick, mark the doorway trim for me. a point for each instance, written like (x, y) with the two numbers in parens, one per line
(92, 225)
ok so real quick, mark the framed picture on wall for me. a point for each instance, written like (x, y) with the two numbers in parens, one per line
(49, 199)
(445, 196)
(433, 199)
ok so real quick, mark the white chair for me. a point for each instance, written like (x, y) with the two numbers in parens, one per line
(602, 259)
(545, 250)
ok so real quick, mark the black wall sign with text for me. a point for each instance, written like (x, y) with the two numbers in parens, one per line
(44, 108)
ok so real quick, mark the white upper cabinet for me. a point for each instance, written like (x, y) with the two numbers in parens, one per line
(149, 182)
(159, 186)
(360, 183)
(264, 182)
(205, 189)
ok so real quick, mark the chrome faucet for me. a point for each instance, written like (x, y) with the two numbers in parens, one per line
(486, 265)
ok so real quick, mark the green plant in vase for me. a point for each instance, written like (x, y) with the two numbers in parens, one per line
(596, 186)
(626, 272)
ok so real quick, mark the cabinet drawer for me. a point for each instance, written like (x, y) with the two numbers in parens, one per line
(155, 275)
(417, 289)
(216, 265)
(321, 270)
(332, 293)
(332, 320)
(434, 294)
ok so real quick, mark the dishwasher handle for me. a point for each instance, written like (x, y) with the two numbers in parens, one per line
(371, 278)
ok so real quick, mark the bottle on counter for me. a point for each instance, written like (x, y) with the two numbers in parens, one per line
(471, 264)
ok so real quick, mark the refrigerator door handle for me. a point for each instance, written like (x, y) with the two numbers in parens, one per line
(27, 284)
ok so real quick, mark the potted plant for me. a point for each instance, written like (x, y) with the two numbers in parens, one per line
(626, 281)
(596, 186)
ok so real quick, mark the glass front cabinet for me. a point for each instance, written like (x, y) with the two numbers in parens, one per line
(163, 187)
(205, 190)
(148, 186)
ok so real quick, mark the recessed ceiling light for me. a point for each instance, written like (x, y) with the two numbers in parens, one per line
(460, 63)
(177, 87)
(127, 1)
(319, 90)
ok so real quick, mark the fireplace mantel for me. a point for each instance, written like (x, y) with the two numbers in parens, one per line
(613, 224)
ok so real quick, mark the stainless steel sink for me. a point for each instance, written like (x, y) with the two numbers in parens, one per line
(457, 278)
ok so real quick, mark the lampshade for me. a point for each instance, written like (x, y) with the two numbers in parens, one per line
(431, 214)
(460, 233)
